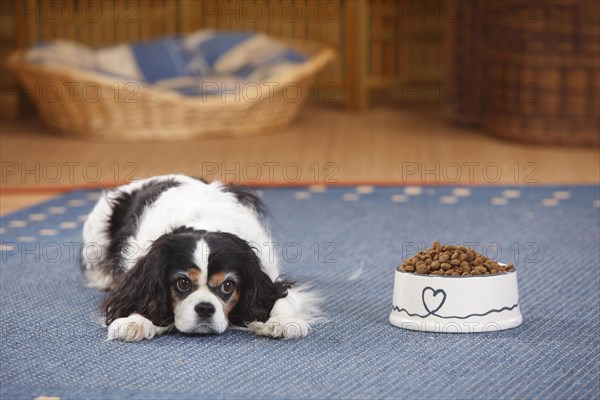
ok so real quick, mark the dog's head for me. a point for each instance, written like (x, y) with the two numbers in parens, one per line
(199, 281)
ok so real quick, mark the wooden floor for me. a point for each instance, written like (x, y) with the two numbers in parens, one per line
(324, 146)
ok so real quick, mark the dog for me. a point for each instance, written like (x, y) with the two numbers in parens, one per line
(177, 252)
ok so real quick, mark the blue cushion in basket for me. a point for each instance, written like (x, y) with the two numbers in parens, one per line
(202, 63)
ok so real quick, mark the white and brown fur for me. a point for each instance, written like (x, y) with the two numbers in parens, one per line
(177, 252)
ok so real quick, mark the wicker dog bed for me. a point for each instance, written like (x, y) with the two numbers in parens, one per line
(94, 105)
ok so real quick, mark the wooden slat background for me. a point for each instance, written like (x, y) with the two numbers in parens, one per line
(381, 44)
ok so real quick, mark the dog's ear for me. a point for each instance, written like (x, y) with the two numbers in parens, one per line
(258, 295)
(143, 290)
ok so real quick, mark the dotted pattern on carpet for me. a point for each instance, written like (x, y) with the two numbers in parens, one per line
(347, 242)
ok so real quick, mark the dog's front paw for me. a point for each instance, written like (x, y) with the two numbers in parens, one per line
(133, 328)
(278, 327)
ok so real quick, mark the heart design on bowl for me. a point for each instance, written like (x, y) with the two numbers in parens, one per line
(433, 299)
(455, 305)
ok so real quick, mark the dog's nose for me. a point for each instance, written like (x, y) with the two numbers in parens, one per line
(204, 309)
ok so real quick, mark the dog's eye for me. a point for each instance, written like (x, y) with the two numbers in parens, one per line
(227, 287)
(183, 284)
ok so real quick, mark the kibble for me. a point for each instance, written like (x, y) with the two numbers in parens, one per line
(423, 269)
(448, 260)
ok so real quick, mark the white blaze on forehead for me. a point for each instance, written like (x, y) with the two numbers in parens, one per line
(186, 318)
(201, 259)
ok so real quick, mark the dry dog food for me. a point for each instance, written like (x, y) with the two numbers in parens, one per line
(450, 260)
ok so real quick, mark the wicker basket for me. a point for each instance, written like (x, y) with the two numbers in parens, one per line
(464, 55)
(545, 63)
(92, 105)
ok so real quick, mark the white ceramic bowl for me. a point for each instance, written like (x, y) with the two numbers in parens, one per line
(456, 304)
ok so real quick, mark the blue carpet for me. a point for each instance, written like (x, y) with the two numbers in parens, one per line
(348, 242)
